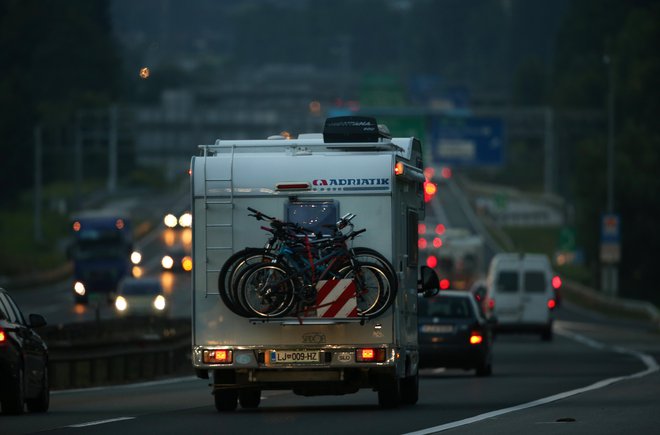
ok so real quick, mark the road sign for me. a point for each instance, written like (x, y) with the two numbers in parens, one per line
(610, 229)
(467, 141)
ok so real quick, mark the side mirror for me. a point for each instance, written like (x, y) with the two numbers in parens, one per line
(429, 284)
(37, 321)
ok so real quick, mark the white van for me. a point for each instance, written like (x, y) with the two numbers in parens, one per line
(521, 293)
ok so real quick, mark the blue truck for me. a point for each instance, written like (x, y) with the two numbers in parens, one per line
(101, 253)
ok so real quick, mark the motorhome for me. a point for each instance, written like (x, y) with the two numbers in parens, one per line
(354, 167)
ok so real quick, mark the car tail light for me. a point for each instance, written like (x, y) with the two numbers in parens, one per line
(431, 261)
(218, 356)
(556, 282)
(491, 303)
(551, 304)
(421, 243)
(370, 354)
(3, 336)
(444, 284)
(476, 337)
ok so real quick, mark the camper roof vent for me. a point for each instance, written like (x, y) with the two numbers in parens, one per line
(353, 129)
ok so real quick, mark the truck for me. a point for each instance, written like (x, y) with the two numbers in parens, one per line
(455, 253)
(354, 167)
(101, 252)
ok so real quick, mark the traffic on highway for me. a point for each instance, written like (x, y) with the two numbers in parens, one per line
(377, 217)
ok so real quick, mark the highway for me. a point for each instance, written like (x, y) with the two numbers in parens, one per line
(596, 377)
(525, 370)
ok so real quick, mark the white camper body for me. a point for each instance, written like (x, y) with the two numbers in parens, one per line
(268, 175)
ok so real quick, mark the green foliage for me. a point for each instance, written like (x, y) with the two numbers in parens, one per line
(629, 33)
(56, 56)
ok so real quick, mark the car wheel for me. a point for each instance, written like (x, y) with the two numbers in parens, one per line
(42, 401)
(389, 392)
(249, 399)
(225, 400)
(13, 402)
(410, 389)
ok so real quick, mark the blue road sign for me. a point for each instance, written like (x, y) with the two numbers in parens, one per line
(467, 141)
(610, 229)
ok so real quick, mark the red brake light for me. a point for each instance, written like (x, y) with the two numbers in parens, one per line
(476, 337)
(430, 190)
(119, 224)
(446, 172)
(421, 243)
(437, 242)
(3, 337)
(444, 284)
(431, 261)
(76, 226)
(551, 304)
(440, 229)
(421, 228)
(491, 303)
(556, 282)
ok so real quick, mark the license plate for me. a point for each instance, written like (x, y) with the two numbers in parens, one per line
(295, 356)
(437, 329)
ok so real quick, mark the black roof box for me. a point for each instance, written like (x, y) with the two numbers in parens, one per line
(352, 129)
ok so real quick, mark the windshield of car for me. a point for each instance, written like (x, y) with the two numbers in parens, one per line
(446, 306)
(140, 288)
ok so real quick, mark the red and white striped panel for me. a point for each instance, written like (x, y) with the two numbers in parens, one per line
(336, 298)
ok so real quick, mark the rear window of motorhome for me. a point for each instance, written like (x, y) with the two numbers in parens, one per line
(534, 281)
(507, 282)
(318, 216)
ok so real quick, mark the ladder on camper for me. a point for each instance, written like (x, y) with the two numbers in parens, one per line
(222, 202)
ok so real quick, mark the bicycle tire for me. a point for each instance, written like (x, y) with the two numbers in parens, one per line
(367, 255)
(375, 291)
(256, 295)
(229, 272)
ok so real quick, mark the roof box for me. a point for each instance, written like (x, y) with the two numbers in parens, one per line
(352, 129)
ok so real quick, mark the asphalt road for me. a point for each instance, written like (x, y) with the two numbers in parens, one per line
(525, 370)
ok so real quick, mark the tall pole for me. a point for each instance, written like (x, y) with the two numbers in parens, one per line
(610, 270)
(549, 146)
(112, 150)
(38, 234)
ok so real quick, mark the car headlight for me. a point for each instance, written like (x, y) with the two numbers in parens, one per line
(159, 303)
(167, 262)
(185, 220)
(186, 263)
(170, 220)
(136, 257)
(79, 288)
(120, 303)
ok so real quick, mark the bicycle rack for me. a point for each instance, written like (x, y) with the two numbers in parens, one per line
(209, 203)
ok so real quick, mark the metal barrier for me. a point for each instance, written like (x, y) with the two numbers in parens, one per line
(117, 351)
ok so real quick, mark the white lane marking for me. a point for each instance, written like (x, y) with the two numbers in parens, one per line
(650, 363)
(124, 386)
(94, 423)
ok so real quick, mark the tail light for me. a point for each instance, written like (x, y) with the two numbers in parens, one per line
(476, 337)
(444, 284)
(3, 336)
(370, 354)
(551, 304)
(218, 356)
(491, 304)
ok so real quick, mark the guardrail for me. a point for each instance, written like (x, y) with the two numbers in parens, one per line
(117, 351)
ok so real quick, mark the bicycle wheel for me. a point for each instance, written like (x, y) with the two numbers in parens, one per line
(373, 288)
(266, 290)
(371, 256)
(227, 284)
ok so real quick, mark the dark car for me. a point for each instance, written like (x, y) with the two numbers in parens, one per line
(23, 360)
(454, 333)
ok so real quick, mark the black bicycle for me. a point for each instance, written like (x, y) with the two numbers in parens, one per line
(271, 284)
